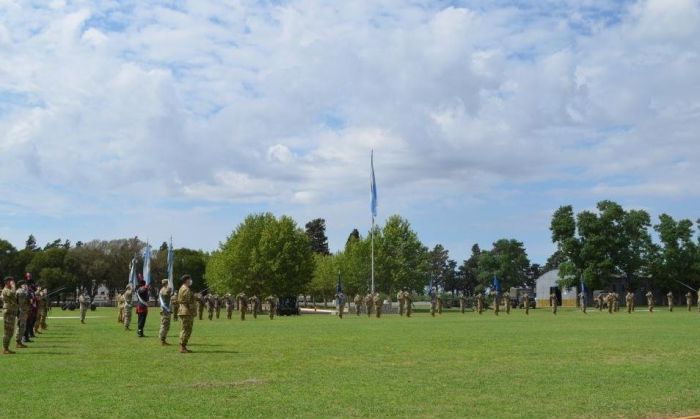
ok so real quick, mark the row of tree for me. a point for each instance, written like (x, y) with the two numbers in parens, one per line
(86, 265)
(613, 246)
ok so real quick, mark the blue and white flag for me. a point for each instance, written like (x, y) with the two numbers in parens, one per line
(147, 265)
(583, 287)
(496, 284)
(171, 262)
(132, 273)
(373, 188)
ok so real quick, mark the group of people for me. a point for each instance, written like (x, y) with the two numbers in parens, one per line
(611, 300)
(213, 303)
(25, 309)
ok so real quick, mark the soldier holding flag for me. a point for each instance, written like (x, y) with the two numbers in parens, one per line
(165, 297)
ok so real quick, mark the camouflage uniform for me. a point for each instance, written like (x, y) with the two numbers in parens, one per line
(120, 308)
(553, 302)
(186, 311)
(24, 306)
(496, 303)
(526, 301)
(242, 301)
(582, 301)
(45, 309)
(41, 309)
(377, 301)
(433, 303)
(217, 305)
(174, 306)
(506, 301)
(616, 301)
(165, 311)
(272, 304)
(228, 299)
(402, 302)
(629, 301)
(255, 305)
(128, 295)
(210, 306)
(201, 302)
(669, 297)
(689, 300)
(462, 302)
(440, 304)
(480, 303)
(340, 298)
(358, 304)
(368, 304)
(650, 301)
(600, 302)
(611, 302)
(9, 312)
(408, 298)
(84, 302)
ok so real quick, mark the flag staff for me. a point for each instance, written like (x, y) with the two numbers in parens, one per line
(373, 205)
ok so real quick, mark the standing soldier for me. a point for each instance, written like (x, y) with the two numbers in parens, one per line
(174, 305)
(402, 302)
(377, 301)
(165, 297)
(611, 302)
(84, 301)
(433, 302)
(340, 298)
(408, 298)
(553, 302)
(120, 308)
(617, 301)
(599, 299)
(669, 297)
(41, 306)
(128, 295)
(242, 302)
(440, 304)
(462, 302)
(582, 301)
(358, 304)
(526, 301)
(506, 301)
(272, 303)
(186, 310)
(689, 300)
(45, 313)
(368, 304)
(629, 300)
(9, 313)
(496, 303)
(217, 305)
(201, 302)
(479, 303)
(228, 299)
(24, 306)
(210, 306)
(255, 303)
(650, 301)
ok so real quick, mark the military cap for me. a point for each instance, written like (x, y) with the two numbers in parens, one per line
(21, 282)
(8, 279)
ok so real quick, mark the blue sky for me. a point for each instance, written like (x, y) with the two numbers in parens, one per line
(179, 118)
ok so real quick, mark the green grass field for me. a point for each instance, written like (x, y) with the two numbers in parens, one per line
(569, 365)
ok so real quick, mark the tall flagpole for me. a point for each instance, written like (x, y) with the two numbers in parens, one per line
(372, 254)
(373, 205)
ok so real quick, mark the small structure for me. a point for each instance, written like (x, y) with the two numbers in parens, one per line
(547, 284)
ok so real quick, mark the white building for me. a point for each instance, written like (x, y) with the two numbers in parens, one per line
(547, 284)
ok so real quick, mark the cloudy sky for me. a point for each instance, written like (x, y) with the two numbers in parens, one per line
(181, 117)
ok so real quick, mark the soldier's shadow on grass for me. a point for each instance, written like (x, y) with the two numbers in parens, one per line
(46, 353)
(205, 344)
(195, 351)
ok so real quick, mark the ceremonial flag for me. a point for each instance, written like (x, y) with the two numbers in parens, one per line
(171, 262)
(373, 188)
(132, 273)
(147, 264)
(496, 284)
(583, 287)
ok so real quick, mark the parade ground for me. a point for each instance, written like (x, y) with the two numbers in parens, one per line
(568, 365)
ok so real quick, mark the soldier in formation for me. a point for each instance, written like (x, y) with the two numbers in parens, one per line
(201, 303)
(433, 302)
(496, 303)
(128, 295)
(254, 302)
(526, 302)
(120, 308)
(9, 313)
(462, 302)
(242, 303)
(22, 313)
(629, 300)
(377, 301)
(689, 300)
(506, 301)
(368, 303)
(210, 306)
(228, 300)
(616, 302)
(440, 304)
(610, 301)
(600, 301)
(669, 297)
(272, 304)
(165, 297)
(42, 310)
(217, 305)
(402, 302)
(186, 311)
(553, 302)
(174, 305)
(479, 303)
(408, 298)
(582, 301)
(358, 304)
(650, 301)
(340, 298)
(84, 302)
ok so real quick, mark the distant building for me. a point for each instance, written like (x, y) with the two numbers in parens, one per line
(547, 284)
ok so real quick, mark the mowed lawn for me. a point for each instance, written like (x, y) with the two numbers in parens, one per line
(568, 365)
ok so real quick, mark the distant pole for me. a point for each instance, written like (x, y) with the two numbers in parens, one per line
(372, 254)
(373, 206)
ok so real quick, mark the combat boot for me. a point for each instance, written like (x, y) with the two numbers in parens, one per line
(21, 345)
(164, 343)
(183, 349)
(7, 352)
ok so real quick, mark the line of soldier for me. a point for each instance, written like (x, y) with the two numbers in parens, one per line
(25, 309)
(612, 301)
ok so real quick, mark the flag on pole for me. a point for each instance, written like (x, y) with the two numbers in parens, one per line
(373, 188)
(132, 273)
(583, 287)
(147, 265)
(171, 262)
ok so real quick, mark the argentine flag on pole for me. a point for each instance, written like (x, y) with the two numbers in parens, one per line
(147, 265)
(373, 188)
(171, 261)
(132, 273)
(496, 283)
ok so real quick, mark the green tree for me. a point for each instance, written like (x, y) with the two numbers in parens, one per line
(325, 276)
(677, 257)
(400, 258)
(263, 255)
(316, 231)
(438, 265)
(508, 261)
